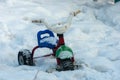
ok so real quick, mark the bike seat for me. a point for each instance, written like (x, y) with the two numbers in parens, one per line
(46, 39)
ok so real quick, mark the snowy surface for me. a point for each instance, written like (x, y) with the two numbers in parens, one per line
(94, 37)
(50, 40)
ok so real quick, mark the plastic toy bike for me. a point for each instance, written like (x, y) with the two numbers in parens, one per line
(63, 54)
(25, 57)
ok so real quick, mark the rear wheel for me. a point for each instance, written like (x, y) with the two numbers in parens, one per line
(25, 57)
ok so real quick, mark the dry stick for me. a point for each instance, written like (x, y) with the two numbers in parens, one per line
(36, 75)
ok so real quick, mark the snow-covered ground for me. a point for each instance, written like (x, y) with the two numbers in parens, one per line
(94, 37)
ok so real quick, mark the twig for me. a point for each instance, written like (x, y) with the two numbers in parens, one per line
(36, 75)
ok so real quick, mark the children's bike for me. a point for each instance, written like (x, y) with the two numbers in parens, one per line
(46, 39)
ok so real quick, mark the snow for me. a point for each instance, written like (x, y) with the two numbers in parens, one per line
(51, 40)
(65, 54)
(93, 37)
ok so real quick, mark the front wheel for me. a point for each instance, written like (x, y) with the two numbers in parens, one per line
(25, 57)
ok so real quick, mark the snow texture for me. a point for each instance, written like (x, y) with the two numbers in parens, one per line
(50, 40)
(94, 37)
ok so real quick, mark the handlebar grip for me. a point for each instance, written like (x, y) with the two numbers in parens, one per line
(76, 12)
(36, 21)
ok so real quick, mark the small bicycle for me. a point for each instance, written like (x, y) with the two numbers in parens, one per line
(46, 39)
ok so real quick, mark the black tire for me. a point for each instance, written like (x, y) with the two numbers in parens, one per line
(25, 57)
(65, 64)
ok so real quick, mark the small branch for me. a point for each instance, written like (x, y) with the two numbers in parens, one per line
(36, 75)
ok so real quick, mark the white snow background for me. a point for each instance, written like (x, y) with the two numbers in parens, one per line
(94, 37)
